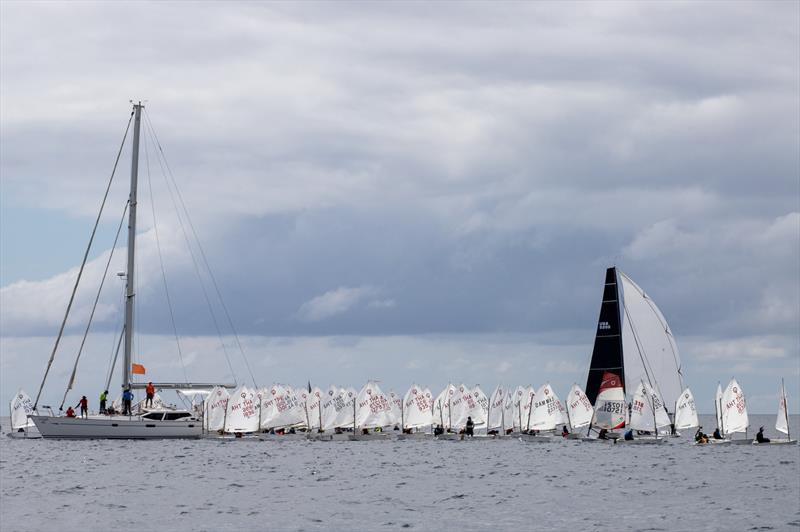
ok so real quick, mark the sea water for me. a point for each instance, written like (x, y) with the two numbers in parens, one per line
(248, 484)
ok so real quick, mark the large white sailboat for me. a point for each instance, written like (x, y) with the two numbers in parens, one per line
(159, 422)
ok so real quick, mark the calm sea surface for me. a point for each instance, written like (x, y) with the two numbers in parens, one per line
(424, 485)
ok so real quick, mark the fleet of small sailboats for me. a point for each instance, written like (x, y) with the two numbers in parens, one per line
(635, 382)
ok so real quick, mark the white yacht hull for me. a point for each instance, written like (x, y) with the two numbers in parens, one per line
(115, 427)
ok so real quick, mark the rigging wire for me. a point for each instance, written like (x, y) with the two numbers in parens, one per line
(83, 264)
(192, 253)
(94, 308)
(112, 357)
(161, 260)
(202, 251)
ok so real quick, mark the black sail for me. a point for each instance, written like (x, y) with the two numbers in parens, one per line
(607, 352)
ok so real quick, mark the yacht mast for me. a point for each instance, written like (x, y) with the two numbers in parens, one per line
(129, 279)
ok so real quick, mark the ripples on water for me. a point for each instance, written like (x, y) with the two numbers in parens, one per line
(297, 485)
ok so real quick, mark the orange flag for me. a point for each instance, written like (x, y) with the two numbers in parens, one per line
(137, 369)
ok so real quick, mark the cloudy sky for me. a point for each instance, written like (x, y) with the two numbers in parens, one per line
(407, 192)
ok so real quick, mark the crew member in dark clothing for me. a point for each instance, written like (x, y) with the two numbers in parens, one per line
(438, 431)
(717, 435)
(760, 436)
(564, 431)
(603, 434)
(84, 404)
(629, 435)
(470, 427)
(127, 398)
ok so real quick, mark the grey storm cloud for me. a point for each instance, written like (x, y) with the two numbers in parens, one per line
(379, 169)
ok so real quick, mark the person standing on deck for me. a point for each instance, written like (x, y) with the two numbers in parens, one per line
(127, 397)
(151, 392)
(84, 404)
(103, 398)
(470, 427)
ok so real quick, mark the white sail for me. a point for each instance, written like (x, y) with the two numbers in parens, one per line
(546, 410)
(481, 411)
(215, 407)
(417, 405)
(718, 408)
(284, 409)
(372, 407)
(686, 411)
(496, 408)
(734, 409)
(313, 402)
(579, 408)
(782, 422)
(649, 349)
(525, 405)
(332, 402)
(509, 411)
(441, 415)
(461, 405)
(242, 414)
(346, 416)
(647, 410)
(395, 408)
(609, 407)
(21, 407)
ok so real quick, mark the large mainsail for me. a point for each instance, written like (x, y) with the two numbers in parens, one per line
(395, 408)
(440, 414)
(633, 341)
(686, 411)
(524, 407)
(734, 409)
(344, 418)
(650, 353)
(579, 408)
(215, 407)
(718, 408)
(480, 414)
(607, 352)
(21, 407)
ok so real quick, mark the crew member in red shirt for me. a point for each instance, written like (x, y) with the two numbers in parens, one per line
(151, 392)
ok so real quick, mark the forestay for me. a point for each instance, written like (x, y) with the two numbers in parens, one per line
(21, 407)
(417, 406)
(546, 409)
(734, 409)
(372, 407)
(579, 408)
(214, 408)
(242, 411)
(686, 411)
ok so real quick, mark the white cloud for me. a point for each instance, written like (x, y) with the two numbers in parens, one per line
(333, 302)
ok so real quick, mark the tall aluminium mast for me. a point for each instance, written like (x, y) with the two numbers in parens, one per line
(129, 278)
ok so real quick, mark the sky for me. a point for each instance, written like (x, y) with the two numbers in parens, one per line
(407, 192)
